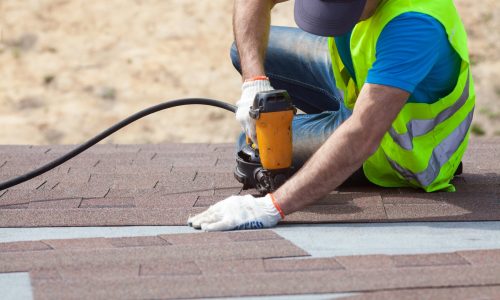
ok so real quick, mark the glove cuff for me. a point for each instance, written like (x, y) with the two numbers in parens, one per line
(260, 77)
(272, 209)
(256, 86)
(277, 206)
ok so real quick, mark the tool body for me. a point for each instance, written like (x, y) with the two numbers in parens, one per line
(267, 167)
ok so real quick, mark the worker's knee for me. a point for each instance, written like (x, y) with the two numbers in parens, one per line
(235, 58)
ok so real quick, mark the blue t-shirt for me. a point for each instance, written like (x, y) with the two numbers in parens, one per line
(413, 54)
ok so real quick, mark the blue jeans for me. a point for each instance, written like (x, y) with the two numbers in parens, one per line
(300, 63)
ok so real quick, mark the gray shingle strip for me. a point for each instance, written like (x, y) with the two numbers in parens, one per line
(15, 286)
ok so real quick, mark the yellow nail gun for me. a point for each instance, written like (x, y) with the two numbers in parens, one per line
(267, 167)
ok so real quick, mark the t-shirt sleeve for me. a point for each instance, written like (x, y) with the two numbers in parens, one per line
(406, 51)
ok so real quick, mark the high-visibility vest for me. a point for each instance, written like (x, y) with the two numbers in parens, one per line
(426, 142)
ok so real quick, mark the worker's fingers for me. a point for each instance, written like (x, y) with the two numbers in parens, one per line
(217, 226)
(194, 219)
(209, 216)
(213, 218)
(250, 131)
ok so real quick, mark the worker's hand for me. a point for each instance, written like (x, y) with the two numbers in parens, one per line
(249, 90)
(238, 212)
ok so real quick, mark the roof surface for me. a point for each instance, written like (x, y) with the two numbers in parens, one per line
(131, 185)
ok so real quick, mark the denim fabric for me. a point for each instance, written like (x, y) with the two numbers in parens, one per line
(300, 63)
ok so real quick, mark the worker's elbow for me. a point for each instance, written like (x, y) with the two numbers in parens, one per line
(368, 140)
(372, 147)
(368, 146)
(373, 140)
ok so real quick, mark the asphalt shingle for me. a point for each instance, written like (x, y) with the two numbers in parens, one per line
(165, 184)
(224, 264)
(116, 185)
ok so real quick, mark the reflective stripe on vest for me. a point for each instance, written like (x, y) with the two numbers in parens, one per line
(440, 155)
(419, 127)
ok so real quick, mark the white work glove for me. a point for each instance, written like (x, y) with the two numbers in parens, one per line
(238, 212)
(249, 90)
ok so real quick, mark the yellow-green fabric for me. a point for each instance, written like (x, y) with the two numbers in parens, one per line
(427, 141)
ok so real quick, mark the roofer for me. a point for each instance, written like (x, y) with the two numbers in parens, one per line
(385, 85)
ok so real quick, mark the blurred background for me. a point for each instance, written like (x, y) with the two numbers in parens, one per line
(71, 68)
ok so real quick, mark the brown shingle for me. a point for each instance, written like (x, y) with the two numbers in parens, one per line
(457, 293)
(443, 212)
(366, 262)
(165, 216)
(86, 190)
(162, 200)
(23, 246)
(253, 235)
(166, 180)
(138, 241)
(45, 274)
(55, 204)
(482, 257)
(336, 213)
(297, 265)
(271, 283)
(211, 267)
(171, 268)
(104, 271)
(107, 202)
(122, 181)
(439, 259)
(68, 217)
(87, 243)
(197, 239)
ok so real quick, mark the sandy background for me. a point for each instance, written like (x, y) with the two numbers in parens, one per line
(71, 68)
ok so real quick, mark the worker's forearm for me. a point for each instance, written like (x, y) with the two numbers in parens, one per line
(340, 156)
(346, 149)
(251, 22)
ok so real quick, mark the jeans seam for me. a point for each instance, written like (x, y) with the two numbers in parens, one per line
(289, 80)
